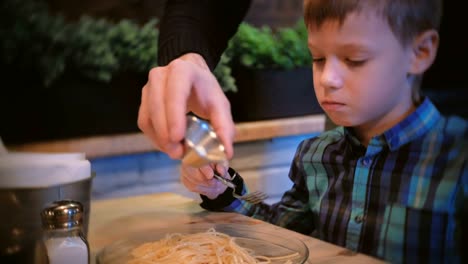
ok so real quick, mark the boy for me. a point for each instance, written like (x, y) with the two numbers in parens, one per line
(389, 180)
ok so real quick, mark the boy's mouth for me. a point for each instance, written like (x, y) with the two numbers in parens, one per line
(332, 105)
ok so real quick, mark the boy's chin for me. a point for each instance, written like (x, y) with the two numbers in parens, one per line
(340, 121)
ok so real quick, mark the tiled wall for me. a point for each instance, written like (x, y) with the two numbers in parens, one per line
(263, 164)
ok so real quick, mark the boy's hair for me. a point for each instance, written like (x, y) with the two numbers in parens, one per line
(406, 18)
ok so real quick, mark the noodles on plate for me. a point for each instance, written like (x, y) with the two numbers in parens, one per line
(199, 248)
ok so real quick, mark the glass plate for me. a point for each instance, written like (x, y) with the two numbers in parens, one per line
(271, 244)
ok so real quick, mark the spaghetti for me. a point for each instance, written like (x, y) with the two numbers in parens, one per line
(199, 248)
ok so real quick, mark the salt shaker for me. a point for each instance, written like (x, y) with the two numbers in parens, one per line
(203, 145)
(63, 233)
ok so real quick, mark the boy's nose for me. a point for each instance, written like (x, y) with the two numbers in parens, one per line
(331, 77)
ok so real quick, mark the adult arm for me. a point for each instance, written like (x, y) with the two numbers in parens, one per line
(198, 26)
(193, 35)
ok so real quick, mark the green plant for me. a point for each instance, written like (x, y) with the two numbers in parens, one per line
(33, 39)
(223, 74)
(101, 49)
(260, 48)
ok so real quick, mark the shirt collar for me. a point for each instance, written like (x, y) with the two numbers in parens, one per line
(412, 127)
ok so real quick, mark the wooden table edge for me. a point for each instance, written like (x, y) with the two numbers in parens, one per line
(119, 144)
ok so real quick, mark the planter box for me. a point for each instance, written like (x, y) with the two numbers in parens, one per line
(74, 106)
(270, 93)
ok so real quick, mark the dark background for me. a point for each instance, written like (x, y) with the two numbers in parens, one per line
(29, 112)
(446, 82)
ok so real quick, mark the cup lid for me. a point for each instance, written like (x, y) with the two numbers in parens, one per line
(35, 170)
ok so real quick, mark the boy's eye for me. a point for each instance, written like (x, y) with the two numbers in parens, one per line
(355, 63)
(318, 60)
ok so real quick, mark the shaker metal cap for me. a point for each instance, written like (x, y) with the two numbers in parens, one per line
(202, 144)
(62, 215)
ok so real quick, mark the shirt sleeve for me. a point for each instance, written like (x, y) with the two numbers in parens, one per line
(462, 215)
(292, 212)
(199, 26)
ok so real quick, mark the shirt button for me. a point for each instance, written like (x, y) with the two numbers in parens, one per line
(359, 219)
(365, 161)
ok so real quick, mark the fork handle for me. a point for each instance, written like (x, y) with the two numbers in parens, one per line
(224, 181)
(226, 198)
(235, 180)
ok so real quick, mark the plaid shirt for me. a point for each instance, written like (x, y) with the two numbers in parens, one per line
(398, 199)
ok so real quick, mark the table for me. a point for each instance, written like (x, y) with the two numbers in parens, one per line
(115, 219)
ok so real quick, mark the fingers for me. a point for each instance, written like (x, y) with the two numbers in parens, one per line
(195, 181)
(157, 100)
(222, 123)
(205, 98)
(181, 88)
(210, 102)
(152, 115)
(200, 180)
(186, 84)
(179, 85)
(221, 169)
(144, 120)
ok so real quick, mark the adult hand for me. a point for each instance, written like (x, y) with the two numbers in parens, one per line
(186, 84)
(200, 180)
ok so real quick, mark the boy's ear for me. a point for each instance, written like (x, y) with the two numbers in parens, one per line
(424, 50)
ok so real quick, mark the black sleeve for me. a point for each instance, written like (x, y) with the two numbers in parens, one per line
(200, 26)
(226, 197)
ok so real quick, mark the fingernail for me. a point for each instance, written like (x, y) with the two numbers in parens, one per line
(174, 150)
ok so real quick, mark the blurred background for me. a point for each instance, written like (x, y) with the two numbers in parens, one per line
(75, 68)
(71, 79)
(72, 73)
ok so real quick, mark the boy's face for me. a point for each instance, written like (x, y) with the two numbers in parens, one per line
(360, 71)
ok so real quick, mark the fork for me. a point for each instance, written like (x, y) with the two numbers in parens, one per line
(253, 197)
